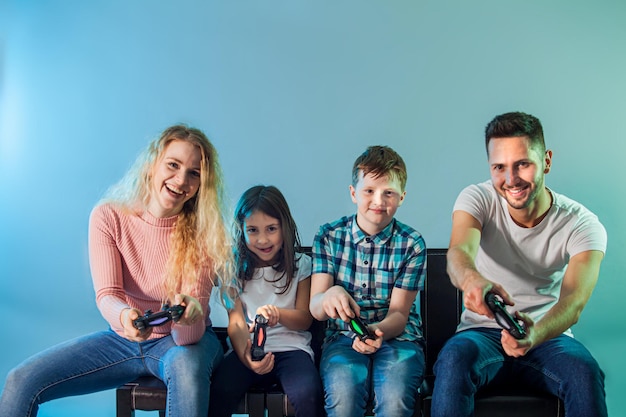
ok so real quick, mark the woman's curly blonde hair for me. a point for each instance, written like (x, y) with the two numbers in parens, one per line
(201, 238)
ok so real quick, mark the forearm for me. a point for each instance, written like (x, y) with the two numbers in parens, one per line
(461, 268)
(317, 308)
(393, 325)
(239, 336)
(295, 319)
(563, 315)
(111, 308)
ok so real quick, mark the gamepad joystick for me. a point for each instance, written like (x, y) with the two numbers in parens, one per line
(258, 343)
(150, 319)
(360, 328)
(503, 317)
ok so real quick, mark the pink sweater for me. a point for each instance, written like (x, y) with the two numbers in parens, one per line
(127, 255)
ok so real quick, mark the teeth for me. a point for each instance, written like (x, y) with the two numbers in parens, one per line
(175, 190)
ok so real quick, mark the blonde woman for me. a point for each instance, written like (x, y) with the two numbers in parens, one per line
(157, 238)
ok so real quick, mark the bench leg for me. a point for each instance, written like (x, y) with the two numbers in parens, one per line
(124, 406)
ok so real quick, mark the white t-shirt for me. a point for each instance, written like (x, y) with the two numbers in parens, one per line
(528, 262)
(260, 291)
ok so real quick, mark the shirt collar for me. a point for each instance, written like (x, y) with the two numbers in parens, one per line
(380, 238)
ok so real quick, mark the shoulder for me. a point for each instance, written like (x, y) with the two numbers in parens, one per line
(304, 265)
(341, 224)
(407, 233)
(567, 206)
(479, 200)
(482, 191)
(336, 230)
(582, 222)
(105, 213)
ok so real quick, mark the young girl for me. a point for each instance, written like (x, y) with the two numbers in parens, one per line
(275, 282)
(157, 238)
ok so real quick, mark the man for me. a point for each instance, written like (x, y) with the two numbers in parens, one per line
(538, 251)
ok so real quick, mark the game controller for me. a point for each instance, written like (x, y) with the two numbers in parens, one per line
(504, 318)
(360, 328)
(257, 351)
(150, 319)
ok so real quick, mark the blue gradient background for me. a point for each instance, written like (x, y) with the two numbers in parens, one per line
(291, 92)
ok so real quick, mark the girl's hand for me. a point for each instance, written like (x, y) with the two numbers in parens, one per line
(271, 313)
(193, 309)
(261, 367)
(130, 331)
(368, 346)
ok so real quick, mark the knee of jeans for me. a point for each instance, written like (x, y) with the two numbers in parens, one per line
(20, 376)
(344, 381)
(585, 369)
(452, 357)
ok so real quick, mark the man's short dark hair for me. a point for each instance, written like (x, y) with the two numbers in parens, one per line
(516, 124)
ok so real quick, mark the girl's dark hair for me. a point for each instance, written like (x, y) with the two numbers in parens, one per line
(270, 201)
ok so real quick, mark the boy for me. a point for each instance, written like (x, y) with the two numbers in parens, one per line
(370, 265)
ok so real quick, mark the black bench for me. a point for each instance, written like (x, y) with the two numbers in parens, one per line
(440, 305)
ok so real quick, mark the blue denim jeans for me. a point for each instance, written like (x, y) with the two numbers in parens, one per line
(294, 370)
(474, 358)
(393, 375)
(104, 360)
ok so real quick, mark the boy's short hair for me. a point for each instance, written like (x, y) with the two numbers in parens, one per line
(380, 161)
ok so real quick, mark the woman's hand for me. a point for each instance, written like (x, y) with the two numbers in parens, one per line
(130, 331)
(193, 309)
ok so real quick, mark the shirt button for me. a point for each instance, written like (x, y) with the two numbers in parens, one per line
(368, 240)
(366, 262)
(364, 285)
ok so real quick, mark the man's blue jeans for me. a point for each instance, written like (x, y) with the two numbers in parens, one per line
(104, 360)
(393, 374)
(474, 358)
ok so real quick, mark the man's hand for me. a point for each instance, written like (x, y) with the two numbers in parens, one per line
(519, 347)
(474, 295)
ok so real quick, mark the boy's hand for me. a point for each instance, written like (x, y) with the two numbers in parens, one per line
(337, 303)
(368, 346)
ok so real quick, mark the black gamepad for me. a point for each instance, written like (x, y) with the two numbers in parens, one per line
(150, 319)
(503, 317)
(257, 351)
(360, 328)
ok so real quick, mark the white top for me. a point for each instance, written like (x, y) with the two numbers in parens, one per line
(260, 291)
(528, 262)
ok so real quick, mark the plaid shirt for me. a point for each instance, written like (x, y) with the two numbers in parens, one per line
(370, 267)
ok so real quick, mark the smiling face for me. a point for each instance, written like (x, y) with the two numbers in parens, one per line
(175, 178)
(377, 201)
(517, 173)
(264, 237)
